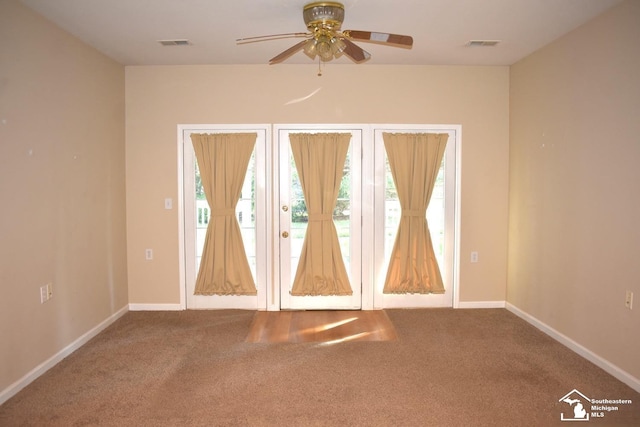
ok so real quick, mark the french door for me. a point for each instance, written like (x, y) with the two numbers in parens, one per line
(251, 213)
(441, 217)
(294, 219)
(273, 216)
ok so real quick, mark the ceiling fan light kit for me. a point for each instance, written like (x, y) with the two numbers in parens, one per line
(326, 41)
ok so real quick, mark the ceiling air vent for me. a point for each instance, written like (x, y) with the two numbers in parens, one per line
(174, 42)
(482, 43)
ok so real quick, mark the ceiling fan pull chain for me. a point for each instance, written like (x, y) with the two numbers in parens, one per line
(319, 67)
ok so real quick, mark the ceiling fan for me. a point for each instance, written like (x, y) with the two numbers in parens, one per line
(325, 39)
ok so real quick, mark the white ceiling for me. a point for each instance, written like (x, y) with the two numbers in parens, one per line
(128, 30)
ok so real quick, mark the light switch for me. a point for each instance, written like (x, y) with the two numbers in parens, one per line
(168, 203)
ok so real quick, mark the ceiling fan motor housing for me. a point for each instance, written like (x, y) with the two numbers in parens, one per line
(323, 14)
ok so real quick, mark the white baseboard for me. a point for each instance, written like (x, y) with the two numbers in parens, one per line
(481, 304)
(602, 363)
(14, 388)
(155, 307)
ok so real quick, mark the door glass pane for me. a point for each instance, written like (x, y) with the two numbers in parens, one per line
(300, 216)
(342, 213)
(435, 214)
(245, 213)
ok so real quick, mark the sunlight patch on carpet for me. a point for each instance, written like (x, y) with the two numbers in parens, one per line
(327, 327)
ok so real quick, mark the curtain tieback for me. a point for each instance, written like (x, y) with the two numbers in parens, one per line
(410, 212)
(223, 212)
(320, 217)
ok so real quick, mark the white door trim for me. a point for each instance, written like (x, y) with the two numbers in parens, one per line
(356, 149)
(452, 224)
(270, 296)
(263, 220)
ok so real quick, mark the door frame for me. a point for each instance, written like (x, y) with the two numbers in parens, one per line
(356, 149)
(270, 298)
(452, 227)
(263, 221)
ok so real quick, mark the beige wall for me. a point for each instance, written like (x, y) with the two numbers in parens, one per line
(574, 236)
(62, 194)
(161, 97)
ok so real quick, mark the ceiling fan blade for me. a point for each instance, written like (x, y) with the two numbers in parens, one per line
(287, 53)
(397, 40)
(270, 37)
(355, 52)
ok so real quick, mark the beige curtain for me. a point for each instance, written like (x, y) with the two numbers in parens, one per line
(223, 160)
(320, 161)
(415, 161)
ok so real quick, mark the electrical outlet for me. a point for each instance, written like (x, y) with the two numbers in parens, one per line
(148, 254)
(46, 293)
(628, 301)
(474, 256)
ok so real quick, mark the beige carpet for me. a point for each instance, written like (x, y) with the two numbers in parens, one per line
(194, 368)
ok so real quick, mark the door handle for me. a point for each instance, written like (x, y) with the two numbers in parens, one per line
(285, 208)
(285, 234)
